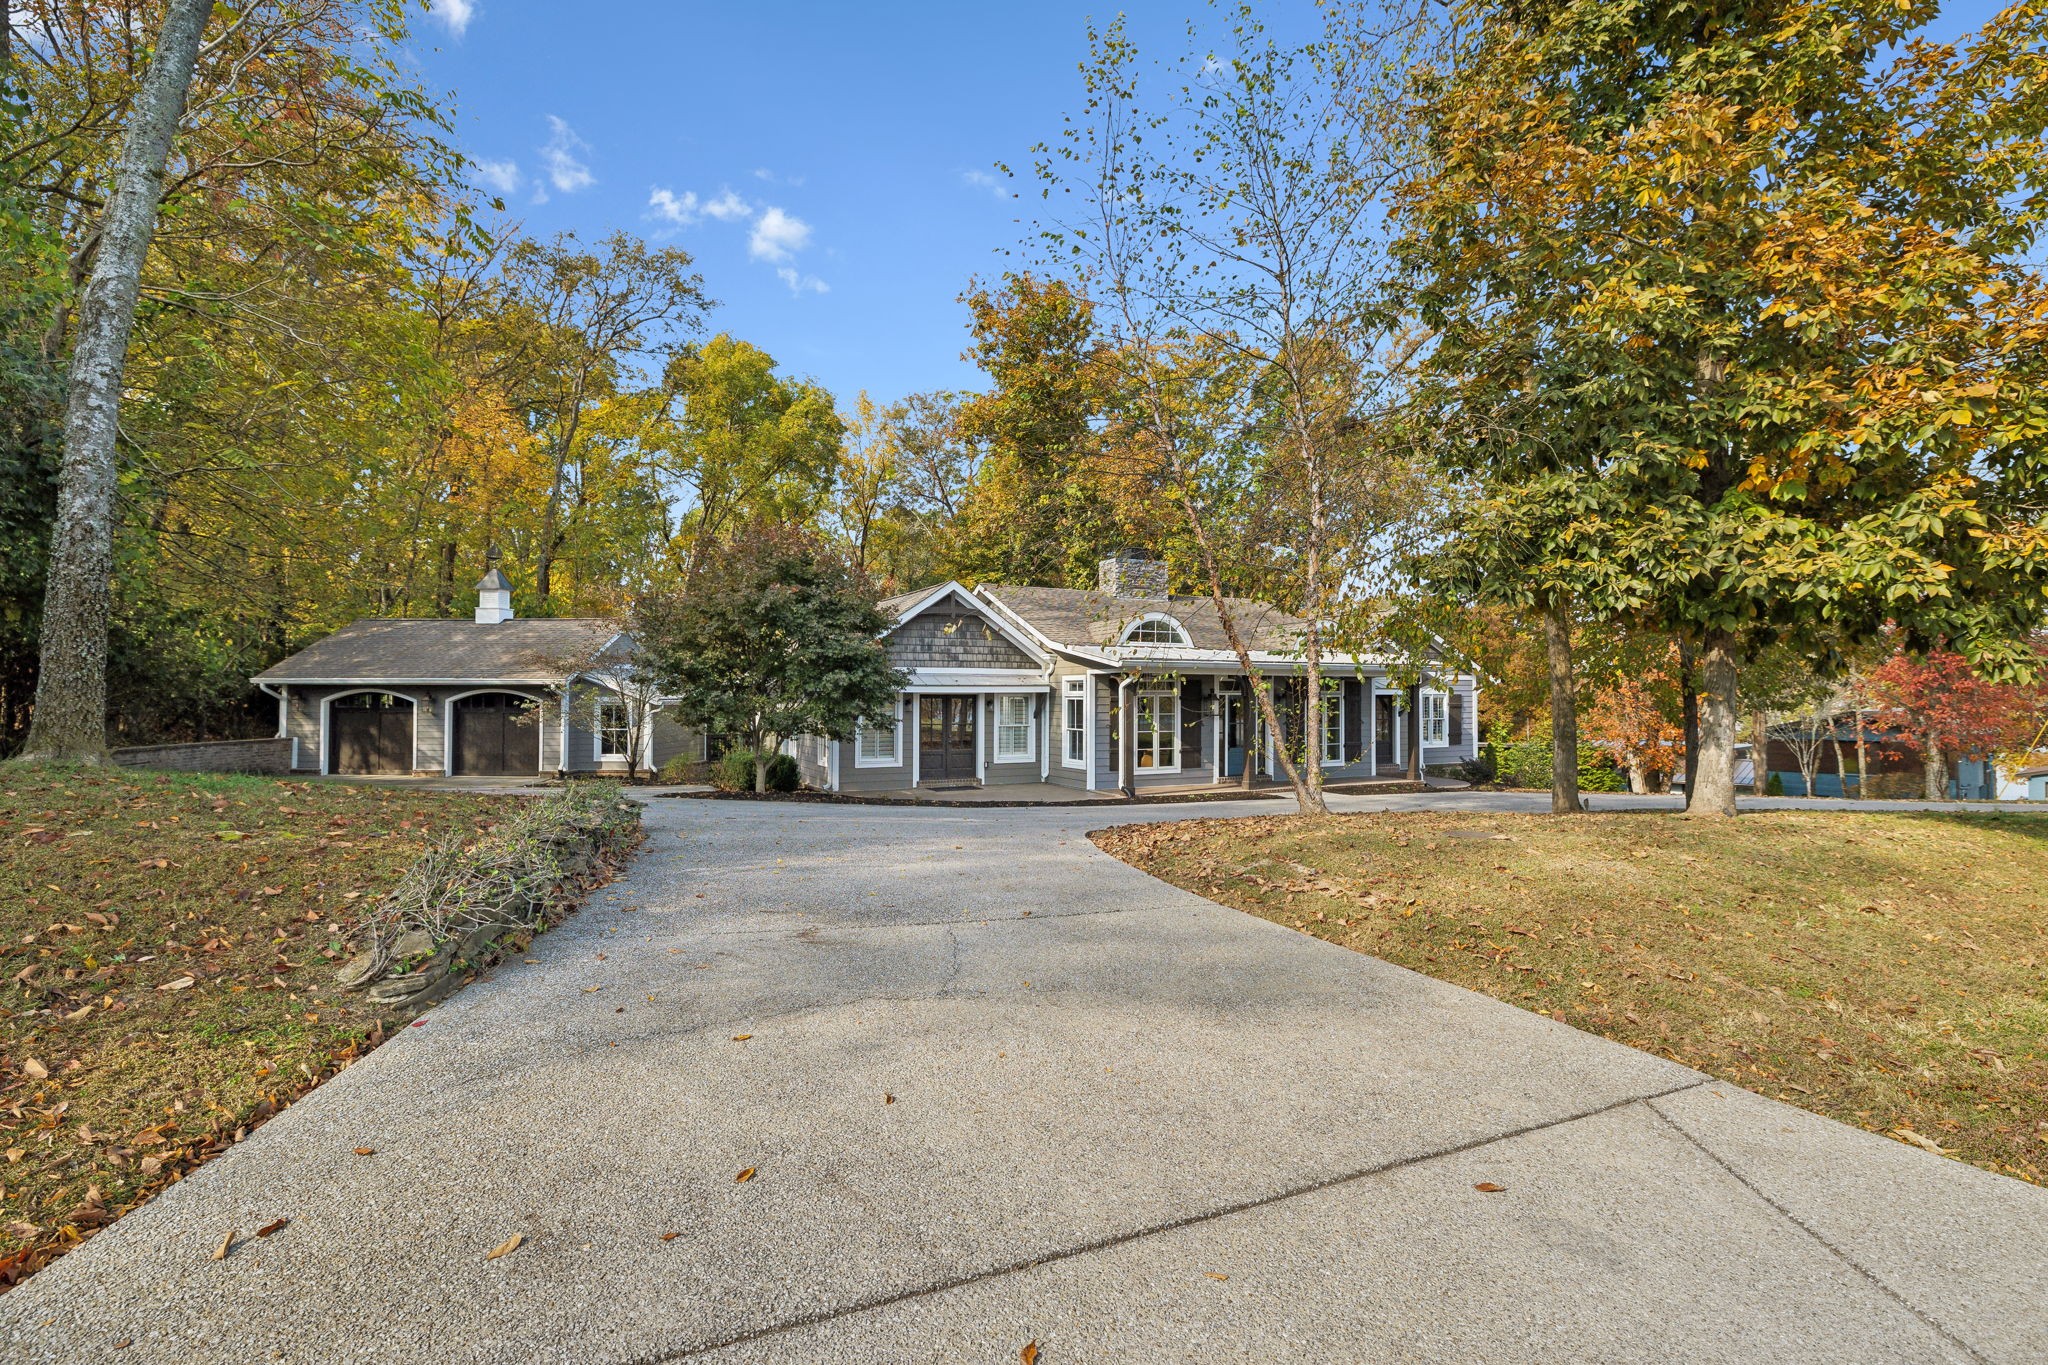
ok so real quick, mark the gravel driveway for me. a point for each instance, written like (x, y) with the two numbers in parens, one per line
(1001, 1088)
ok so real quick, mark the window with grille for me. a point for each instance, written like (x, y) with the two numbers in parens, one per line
(1156, 630)
(1436, 718)
(1158, 727)
(614, 729)
(1013, 729)
(1074, 716)
(1333, 720)
(875, 744)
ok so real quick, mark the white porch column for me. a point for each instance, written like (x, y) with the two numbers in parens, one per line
(980, 761)
(911, 739)
(1371, 728)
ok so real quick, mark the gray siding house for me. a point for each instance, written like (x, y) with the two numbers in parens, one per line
(1124, 687)
(491, 696)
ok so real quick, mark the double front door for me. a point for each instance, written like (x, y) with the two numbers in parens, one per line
(945, 739)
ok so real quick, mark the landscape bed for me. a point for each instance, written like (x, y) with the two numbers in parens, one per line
(168, 955)
(1888, 970)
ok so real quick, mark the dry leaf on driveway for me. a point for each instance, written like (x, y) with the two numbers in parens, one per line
(744, 1176)
(1029, 1355)
(506, 1247)
(1215, 1275)
(741, 1037)
(268, 1228)
(366, 1151)
(220, 1253)
(1488, 1187)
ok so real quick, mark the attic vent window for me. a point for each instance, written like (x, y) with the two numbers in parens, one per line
(1156, 630)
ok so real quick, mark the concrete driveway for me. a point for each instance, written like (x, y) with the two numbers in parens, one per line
(1001, 1088)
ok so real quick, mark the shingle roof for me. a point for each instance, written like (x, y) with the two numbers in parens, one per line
(433, 650)
(903, 601)
(1093, 620)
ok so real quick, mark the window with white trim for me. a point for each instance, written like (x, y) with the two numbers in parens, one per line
(1156, 630)
(1074, 722)
(1013, 730)
(1333, 720)
(1435, 727)
(875, 743)
(1158, 727)
(614, 728)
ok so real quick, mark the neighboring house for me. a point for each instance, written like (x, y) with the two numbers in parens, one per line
(2026, 784)
(1119, 688)
(490, 696)
(1898, 766)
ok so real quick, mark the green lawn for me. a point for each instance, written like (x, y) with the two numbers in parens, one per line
(1890, 971)
(167, 946)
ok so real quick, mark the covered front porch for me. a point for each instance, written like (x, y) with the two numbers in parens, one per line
(1191, 731)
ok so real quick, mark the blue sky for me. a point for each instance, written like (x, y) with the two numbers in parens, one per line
(831, 166)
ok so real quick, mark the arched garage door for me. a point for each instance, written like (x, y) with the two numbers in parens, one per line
(496, 733)
(369, 732)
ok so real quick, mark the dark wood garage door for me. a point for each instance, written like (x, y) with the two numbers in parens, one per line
(369, 732)
(496, 733)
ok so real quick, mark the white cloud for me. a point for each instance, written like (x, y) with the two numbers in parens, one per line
(680, 209)
(801, 284)
(499, 177)
(982, 180)
(563, 158)
(728, 206)
(778, 236)
(455, 14)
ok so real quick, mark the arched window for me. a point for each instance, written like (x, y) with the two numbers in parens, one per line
(1155, 630)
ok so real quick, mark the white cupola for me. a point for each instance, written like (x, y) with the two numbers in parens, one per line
(493, 598)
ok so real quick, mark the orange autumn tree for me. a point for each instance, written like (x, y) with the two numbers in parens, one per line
(1630, 718)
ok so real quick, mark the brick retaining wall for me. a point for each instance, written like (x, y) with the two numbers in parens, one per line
(214, 756)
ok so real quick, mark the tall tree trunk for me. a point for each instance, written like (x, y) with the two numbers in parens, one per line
(1689, 709)
(1564, 715)
(1934, 768)
(1759, 753)
(1862, 756)
(1715, 774)
(70, 724)
(1841, 770)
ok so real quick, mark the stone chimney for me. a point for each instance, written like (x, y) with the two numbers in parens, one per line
(1131, 573)
(493, 598)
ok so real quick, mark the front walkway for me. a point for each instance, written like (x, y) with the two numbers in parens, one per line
(997, 1087)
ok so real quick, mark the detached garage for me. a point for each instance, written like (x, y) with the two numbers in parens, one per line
(493, 696)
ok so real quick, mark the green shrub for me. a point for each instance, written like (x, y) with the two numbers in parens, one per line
(1775, 786)
(1526, 763)
(682, 769)
(734, 772)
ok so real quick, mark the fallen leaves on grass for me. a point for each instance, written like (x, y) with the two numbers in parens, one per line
(1920, 1140)
(507, 1247)
(35, 1070)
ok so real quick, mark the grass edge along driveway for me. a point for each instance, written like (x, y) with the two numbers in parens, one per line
(1887, 970)
(167, 954)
